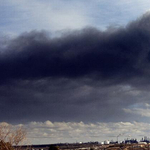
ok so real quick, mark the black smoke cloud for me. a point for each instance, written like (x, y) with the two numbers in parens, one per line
(115, 53)
(81, 73)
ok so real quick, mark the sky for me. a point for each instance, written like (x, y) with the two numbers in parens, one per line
(74, 70)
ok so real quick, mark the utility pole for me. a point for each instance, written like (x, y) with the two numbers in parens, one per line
(118, 137)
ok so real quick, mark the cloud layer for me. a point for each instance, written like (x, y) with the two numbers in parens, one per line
(82, 73)
(113, 54)
(57, 132)
(20, 16)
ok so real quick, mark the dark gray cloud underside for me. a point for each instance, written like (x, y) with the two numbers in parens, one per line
(122, 52)
(57, 78)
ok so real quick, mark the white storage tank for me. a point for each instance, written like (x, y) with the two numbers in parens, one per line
(106, 142)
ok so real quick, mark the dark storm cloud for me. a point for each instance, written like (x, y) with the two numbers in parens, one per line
(63, 100)
(81, 73)
(115, 53)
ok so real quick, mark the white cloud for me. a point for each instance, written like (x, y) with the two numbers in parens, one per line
(25, 15)
(138, 111)
(55, 132)
(48, 15)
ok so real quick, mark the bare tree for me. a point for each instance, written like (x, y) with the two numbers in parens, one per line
(11, 136)
(17, 136)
